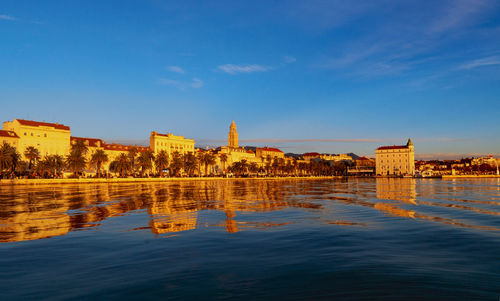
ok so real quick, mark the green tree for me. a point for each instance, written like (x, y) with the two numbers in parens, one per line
(33, 155)
(98, 158)
(145, 161)
(161, 162)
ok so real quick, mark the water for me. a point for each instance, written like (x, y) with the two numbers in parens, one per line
(386, 239)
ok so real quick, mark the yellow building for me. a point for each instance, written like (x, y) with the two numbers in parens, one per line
(48, 138)
(170, 143)
(263, 152)
(395, 160)
(9, 137)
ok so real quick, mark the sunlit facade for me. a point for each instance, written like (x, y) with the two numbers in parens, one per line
(396, 160)
(48, 138)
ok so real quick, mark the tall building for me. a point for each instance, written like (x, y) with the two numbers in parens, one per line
(395, 160)
(233, 136)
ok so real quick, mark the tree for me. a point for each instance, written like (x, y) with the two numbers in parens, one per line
(240, 167)
(208, 159)
(98, 158)
(177, 163)
(75, 161)
(32, 154)
(5, 157)
(190, 163)
(161, 162)
(132, 153)
(253, 167)
(80, 147)
(50, 165)
(121, 164)
(145, 161)
(223, 160)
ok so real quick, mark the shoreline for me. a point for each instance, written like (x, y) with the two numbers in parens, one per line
(469, 176)
(6, 182)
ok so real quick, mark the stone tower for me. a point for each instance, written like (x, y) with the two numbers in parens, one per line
(233, 136)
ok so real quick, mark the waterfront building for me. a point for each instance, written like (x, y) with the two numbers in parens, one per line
(395, 159)
(170, 143)
(48, 138)
(264, 152)
(327, 157)
(233, 136)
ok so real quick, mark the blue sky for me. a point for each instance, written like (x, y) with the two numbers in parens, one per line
(327, 76)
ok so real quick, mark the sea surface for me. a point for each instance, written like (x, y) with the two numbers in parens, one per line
(355, 239)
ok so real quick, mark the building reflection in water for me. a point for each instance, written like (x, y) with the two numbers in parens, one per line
(35, 212)
(41, 212)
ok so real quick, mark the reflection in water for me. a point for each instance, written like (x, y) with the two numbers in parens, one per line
(35, 212)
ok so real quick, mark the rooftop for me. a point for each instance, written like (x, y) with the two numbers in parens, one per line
(9, 134)
(47, 124)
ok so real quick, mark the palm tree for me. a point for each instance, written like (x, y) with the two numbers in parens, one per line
(52, 165)
(199, 158)
(190, 163)
(132, 152)
(32, 154)
(145, 161)
(76, 161)
(5, 157)
(161, 161)
(122, 164)
(177, 163)
(223, 160)
(253, 167)
(80, 147)
(208, 159)
(99, 157)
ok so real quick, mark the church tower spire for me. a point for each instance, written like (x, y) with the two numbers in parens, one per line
(233, 136)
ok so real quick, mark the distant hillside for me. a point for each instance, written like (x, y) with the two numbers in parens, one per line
(354, 156)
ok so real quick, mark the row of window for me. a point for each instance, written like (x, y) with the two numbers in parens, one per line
(26, 134)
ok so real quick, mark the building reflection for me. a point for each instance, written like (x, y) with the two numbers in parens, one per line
(41, 212)
(398, 189)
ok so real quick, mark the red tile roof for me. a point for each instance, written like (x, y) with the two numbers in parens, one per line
(270, 149)
(9, 134)
(38, 123)
(92, 142)
(392, 147)
(311, 154)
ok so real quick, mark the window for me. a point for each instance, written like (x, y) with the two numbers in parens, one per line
(31, 134)
(25, 134)
(45, 135)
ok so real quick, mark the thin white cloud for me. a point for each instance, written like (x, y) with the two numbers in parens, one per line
(171, 82)
(289, 59)
(487, 61)
(459, 13)
(175, 69)
(235, 69)
(197, 83)
(7, 17)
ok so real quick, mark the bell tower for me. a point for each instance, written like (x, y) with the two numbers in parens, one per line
(233, 136)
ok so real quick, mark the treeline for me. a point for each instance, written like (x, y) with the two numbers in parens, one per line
(146, 163)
